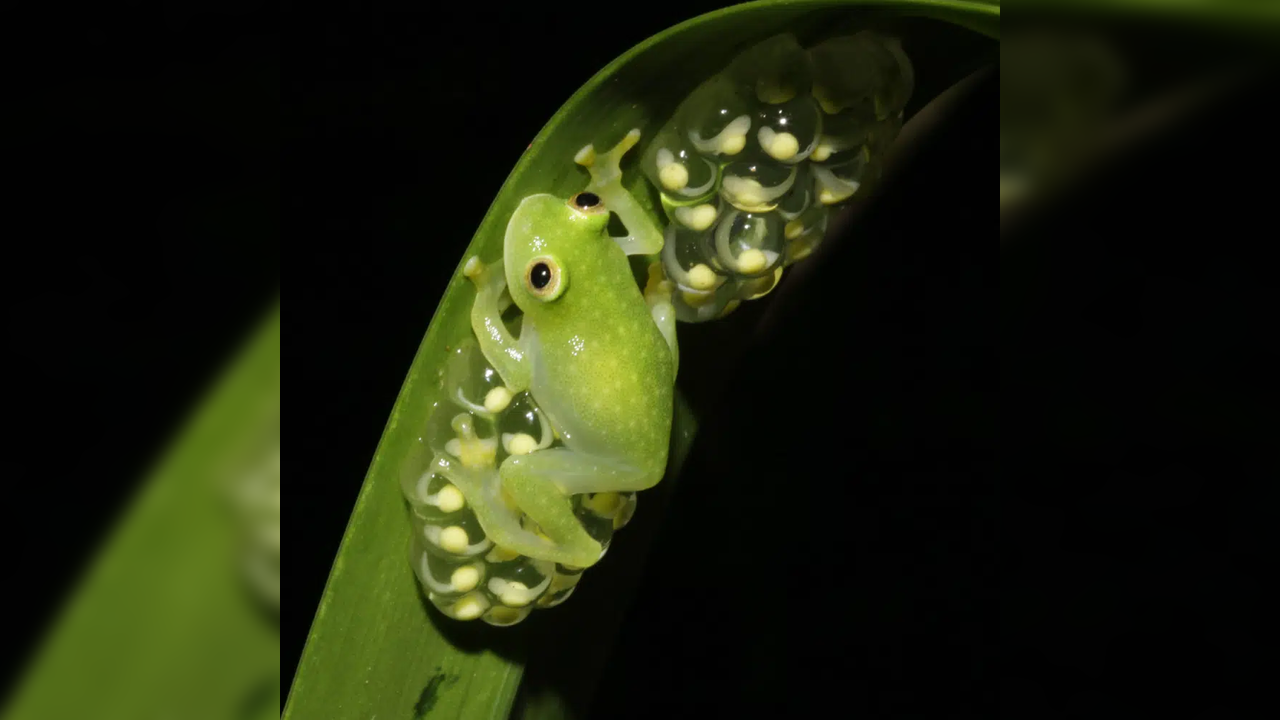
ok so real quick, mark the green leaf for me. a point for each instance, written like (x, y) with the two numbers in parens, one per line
(163, 625)
(376, 649)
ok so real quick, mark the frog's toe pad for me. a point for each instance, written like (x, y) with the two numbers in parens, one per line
(586, 157)
(626, 143)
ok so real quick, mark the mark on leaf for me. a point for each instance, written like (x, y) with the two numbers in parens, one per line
(431, 692)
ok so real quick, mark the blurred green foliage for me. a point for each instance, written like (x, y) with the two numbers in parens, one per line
(166, 622)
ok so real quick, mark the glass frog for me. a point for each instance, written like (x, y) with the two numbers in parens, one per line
(597, 354)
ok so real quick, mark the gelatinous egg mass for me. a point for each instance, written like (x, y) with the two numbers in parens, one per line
(863, 73)
(748, 169)
(716, 119)
(772, 72)
(747, 244)
(477, 425)
(673, 165)
(788, 132)
(751, 164)
(756, 186)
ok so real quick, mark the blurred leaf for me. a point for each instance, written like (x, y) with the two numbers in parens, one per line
(1255, 19)
(163, 625)
(375, 649)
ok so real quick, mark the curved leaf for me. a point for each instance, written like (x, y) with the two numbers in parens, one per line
(375, 649)
(164, 582)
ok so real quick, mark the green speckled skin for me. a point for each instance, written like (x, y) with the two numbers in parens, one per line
(600, 368)
(594, 359)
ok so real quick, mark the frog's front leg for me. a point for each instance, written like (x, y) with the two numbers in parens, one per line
(541, 484)
(504, 352)
(606, 181)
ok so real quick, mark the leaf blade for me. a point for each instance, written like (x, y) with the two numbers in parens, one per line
(350, 670)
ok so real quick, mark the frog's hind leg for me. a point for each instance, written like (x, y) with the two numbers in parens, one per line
(541, 483)
(498, 516)
(529, 480)
(606, 181)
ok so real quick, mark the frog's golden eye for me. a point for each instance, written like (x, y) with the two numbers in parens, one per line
(587, 202)
(544, 278)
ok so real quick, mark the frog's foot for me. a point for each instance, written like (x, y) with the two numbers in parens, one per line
(542, 484)
(500, 519)
(551, 532)
(490, 282)
(469, 465)
(484, 276)
(474, 452)
(644, 237)
(492, 297)
(606, 169)
(658, 289)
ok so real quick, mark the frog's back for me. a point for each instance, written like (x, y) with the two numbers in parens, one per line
(602, 369)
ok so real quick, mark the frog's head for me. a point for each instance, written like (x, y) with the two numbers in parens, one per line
(552, 242)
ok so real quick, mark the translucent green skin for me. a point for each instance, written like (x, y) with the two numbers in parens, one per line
(597, 363)
(596, 354)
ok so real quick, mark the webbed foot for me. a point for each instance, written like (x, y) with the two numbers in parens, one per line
(606, 181)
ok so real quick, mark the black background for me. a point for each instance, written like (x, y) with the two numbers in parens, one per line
(144, 240)
(141, 247)
(830, 537)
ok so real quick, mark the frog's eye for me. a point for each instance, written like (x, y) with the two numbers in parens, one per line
(587, 202)
(544, 278)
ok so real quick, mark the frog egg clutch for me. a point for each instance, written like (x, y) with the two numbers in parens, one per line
(748, 169)
(477, 425)
(752, 163)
